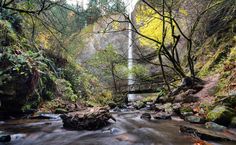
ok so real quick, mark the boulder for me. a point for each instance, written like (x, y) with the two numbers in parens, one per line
(15, 87)
(168, 108)
(233, 122)
(162, 116)
(139, 105)
(186, 111)
(5, 138)
(195, 119)
(146, 116)
(221, 115)
(176, 108)
(88, 119)
(206, 134)
(215, 126)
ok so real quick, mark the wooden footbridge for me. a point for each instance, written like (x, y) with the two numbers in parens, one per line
(140, 88)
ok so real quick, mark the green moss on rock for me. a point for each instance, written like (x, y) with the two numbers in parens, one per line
(233, 122)
(221, 115)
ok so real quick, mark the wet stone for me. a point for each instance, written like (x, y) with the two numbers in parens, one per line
(195, 119)
(162, 116)
(5, 138)
(146, 116)
(215, 126)
(206, 134)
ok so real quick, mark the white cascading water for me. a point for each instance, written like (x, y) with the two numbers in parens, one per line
(130, 59)
(130, 7)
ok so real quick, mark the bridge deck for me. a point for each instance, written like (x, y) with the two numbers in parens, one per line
(140, 88)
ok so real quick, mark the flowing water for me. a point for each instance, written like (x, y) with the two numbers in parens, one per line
(130, 54)
(129, 129)
(130, 7)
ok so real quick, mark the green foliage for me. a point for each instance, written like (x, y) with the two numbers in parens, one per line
(104, 61)
(65, 91)
(102, 99)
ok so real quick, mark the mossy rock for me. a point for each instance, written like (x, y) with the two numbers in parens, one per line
(221, 115)
(195, 119)
(233, 122)
(139, 105)
(186, 111)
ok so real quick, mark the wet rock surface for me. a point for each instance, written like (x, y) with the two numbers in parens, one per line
(207, 134)
(215, 126)
(162, 116)
(5, 138)
(146, 116)
(221, 115)
(195, 119)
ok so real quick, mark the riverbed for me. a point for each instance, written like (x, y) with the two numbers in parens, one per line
(129, 129)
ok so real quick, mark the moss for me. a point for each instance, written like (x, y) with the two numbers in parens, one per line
(233, 122)
(149, 99)
(102, 99)
(186, 111)
(221, 115)
(216, 59)
(7, 33)
(139, 105)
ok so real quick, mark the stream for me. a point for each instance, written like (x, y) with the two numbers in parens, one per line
(129, 129)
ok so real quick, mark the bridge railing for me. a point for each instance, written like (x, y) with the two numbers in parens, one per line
(140, 87)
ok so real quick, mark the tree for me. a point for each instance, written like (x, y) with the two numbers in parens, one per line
(167, 46)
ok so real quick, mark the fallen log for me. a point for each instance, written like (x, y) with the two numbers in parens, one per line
(89, 119)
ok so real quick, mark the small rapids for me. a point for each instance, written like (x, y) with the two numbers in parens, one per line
(129, 129)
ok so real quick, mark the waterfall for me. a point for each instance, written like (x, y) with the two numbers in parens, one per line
(130, 47)
(130, 58)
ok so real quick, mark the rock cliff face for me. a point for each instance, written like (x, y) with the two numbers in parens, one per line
(102, 34)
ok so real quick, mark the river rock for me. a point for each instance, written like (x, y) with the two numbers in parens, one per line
(162, 116)
(89, 119)
(186, 111)
(195, 119)
(233, 122)
(206, 134)
(146, 116)
(215, 126)
(221, 115)
(5, 138)
(139, 105)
